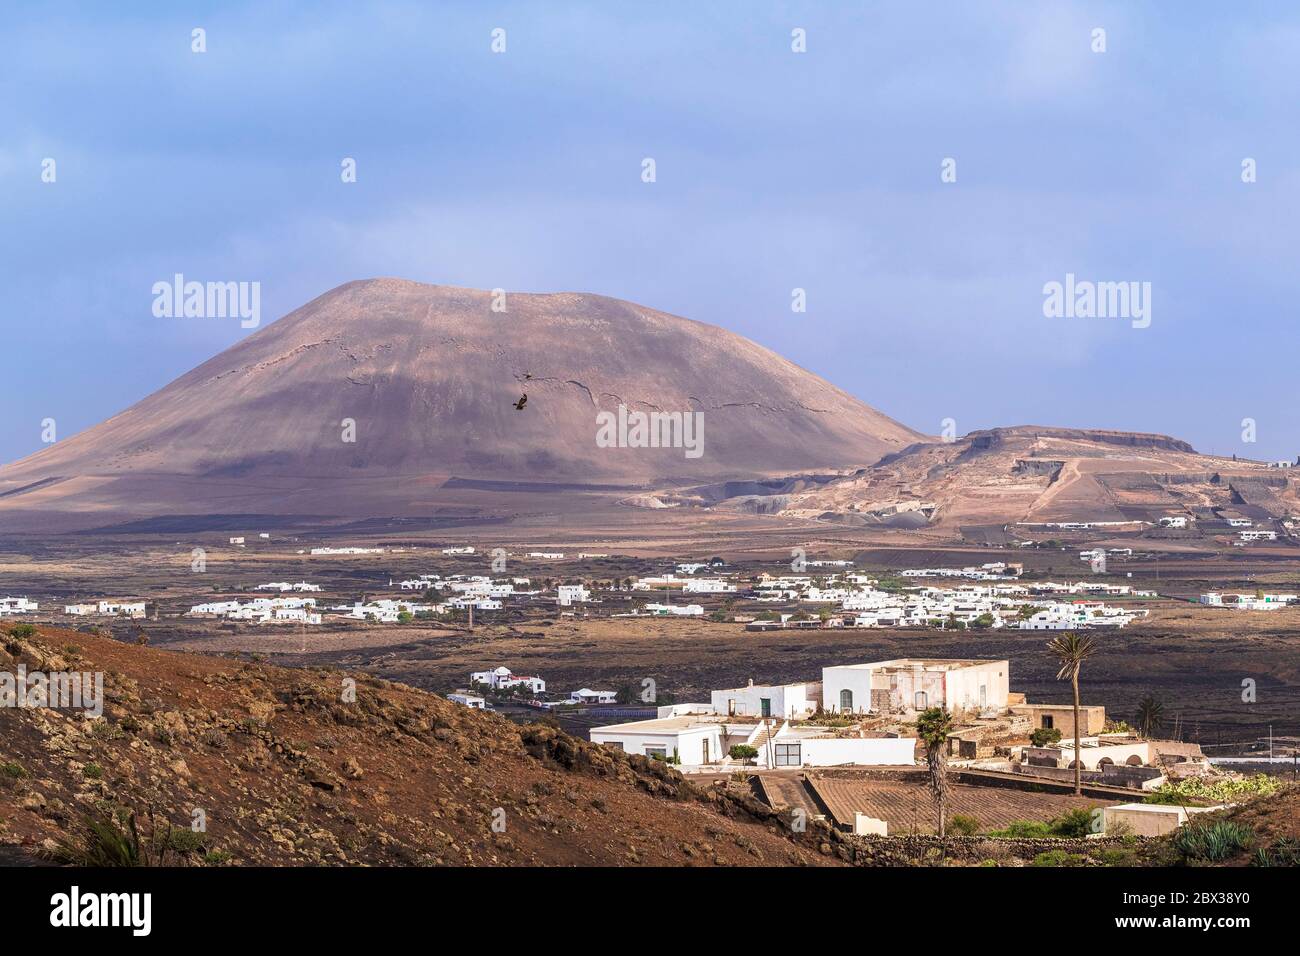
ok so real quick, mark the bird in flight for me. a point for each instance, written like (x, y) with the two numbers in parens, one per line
(523, 400)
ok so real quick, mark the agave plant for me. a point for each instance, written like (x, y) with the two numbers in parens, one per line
(1213, 841)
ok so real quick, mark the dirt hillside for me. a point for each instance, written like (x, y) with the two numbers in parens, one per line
(287, 770)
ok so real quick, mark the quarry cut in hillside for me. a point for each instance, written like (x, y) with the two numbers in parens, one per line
(1023, 474)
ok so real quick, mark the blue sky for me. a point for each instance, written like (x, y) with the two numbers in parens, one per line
(775, 170)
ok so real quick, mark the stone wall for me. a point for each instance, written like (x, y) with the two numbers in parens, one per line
(914, 850)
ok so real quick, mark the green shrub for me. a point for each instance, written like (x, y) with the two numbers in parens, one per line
(22, 631)
(1283, 852)
(12, 770)
(105, 730)
(1202, 790)
(1117, 856)
(1045, 737)
(963, 825)
(1073, 824)
(93, 770)
(1076, 823)
(104, 842)
(1024, 830)
(180, 840)
(1213, 841)
(743, 752)
(1060, 858)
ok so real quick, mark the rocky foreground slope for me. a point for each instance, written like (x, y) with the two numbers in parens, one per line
(285, 769)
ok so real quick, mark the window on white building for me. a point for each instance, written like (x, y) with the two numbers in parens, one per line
(788, 755)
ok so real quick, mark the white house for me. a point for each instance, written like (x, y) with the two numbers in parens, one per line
(384, 611)
(911, 684)
(1248, 602)
(588, 696)
(20, 605)
(767, 700)
(300, 615)
(124, 608)
(501, 678)
(674, 610)
(707, 586)
(566, 594)
(472, 701)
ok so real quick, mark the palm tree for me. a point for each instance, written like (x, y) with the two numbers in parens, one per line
(933, 727)
(1150, 715)
(1071, 651)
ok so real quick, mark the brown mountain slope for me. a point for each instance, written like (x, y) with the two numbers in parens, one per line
(287, 772)
(431, 375)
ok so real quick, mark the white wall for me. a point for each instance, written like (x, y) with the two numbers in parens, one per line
(1118, 753)
(963, 686)
(788, 700)
(870, 751)
(688, 743)
(857, 680)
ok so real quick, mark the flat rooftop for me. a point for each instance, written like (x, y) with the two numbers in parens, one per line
(670, 725)
(757, 686)
(909, 663)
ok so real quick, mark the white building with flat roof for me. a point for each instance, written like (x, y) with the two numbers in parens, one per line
(768, 700)
(472, 701)
(566, 594)
(586, 695)
(707, 586)
(696, 741)
(910, 684)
